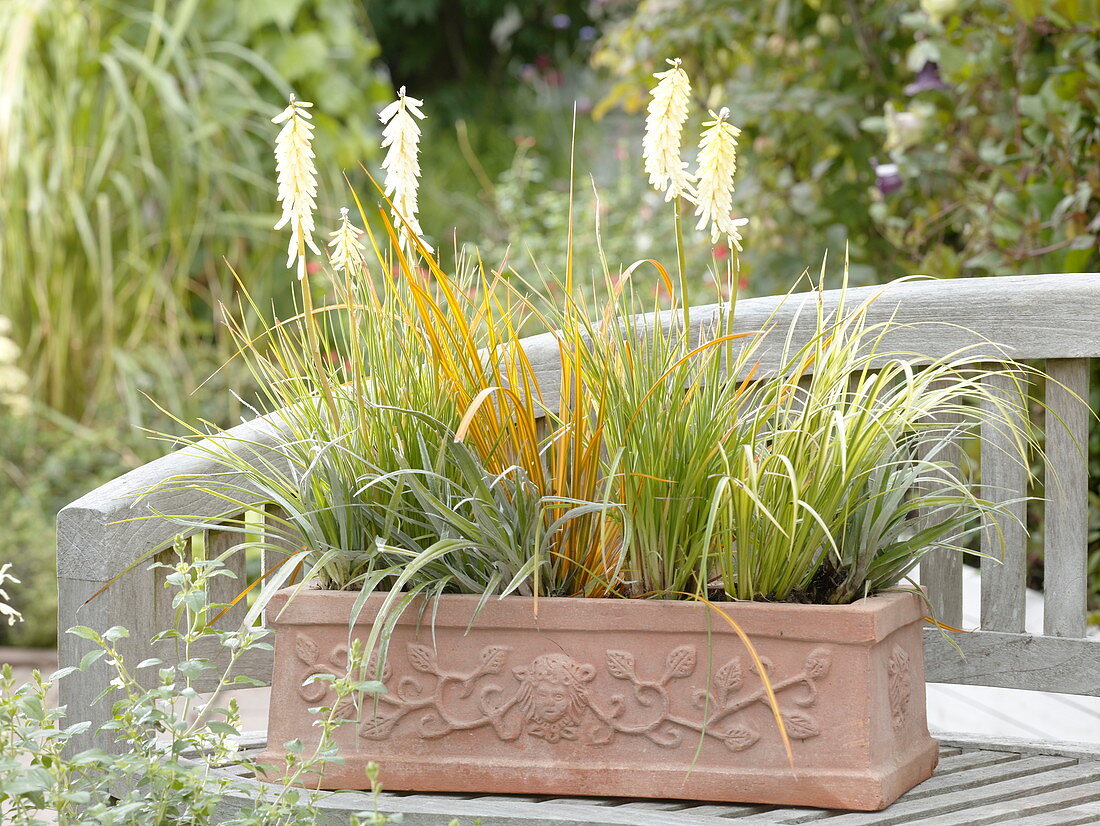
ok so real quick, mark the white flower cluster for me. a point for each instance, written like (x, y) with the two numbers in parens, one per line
(401, 134)
(347, 250)
(664, 127)
(13, 381)
(297, 179)
(710, 187)
(717, 166)
(6, 611)
(297, 182)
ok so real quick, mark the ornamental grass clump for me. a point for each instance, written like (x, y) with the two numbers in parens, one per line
(415, 444)
(844, 479)
(412, 449)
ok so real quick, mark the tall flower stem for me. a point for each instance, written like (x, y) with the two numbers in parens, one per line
(681, 264)
(312, 339)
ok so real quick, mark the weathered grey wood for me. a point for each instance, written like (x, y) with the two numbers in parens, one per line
(659, 805)
(1014, 746)
(1004, 480)
(941, 784)
(989, 777)
(1024, 767)
(941, 568)
(1069, 666)
(1046, 774)
(79, 690)
(972, 760)
(1024, 317)
(1010, 811)
(106, 530)
(503, 810)
(724, 811)
(1086, 815)
(1066, 519)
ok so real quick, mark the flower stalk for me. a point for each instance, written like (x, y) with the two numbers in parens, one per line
(661, 150)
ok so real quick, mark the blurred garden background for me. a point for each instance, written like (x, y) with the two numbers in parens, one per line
(943, 137)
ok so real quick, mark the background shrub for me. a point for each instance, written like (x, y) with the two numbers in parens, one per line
(135, 170)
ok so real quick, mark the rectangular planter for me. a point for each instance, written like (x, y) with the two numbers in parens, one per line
(623, 698)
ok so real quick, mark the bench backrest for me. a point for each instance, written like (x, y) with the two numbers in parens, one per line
(1051, 319)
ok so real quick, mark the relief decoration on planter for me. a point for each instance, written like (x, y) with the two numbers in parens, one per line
(900, 685)
(548, 698)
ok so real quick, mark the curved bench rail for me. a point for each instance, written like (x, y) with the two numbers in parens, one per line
(1052, 318)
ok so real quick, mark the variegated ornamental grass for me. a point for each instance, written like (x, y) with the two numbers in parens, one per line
(419, 455)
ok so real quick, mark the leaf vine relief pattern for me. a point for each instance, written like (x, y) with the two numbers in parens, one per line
(549, 697)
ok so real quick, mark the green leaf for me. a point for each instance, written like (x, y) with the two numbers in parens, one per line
(90, 658)
(84, 632)
(221, 727)
(115, 633)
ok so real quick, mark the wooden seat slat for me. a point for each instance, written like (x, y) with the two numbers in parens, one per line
(973, 760)
(1045, 774)
(971, 786)
(1010, 811)
(1086, 815)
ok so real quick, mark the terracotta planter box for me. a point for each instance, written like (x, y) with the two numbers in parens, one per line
(623, 698)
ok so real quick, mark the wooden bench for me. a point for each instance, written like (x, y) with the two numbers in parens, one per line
(1050, 319)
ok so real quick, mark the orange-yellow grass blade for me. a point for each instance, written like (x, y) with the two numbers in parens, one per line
(260, 579)
(773, 703)
(944, 625)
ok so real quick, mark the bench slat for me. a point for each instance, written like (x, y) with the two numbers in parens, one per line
(994, 658)
(1004, 479)
(941, 568)
(1086, 815)
(1066, 552)
(1011, 811)
(948, 783)
(970, 783)
(1047, 774)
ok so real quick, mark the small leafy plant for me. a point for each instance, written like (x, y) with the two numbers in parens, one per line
(172, 736)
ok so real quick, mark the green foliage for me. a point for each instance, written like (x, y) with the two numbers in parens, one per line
(134, 161)
(1002, 179)
(169, 736)
(421, 454)
(801, 486)
(48, 460)
(997, 171)
(994, 151)
(457, 51)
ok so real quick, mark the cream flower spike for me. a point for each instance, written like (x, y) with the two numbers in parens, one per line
(664, 127)
(347, 251)
(717, 165)
(297, 179)
(402, 135)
